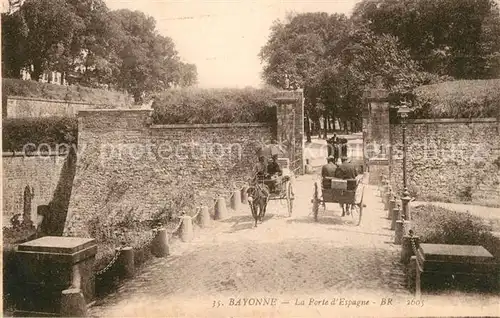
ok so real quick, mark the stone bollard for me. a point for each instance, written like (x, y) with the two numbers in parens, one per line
(383, 188)
(244, 195)
(204, 217)
(126, 265)
(401, 227)
(392, 205)
(187, 229)
(220, 209)
(407, 249)
(308, 168)
(412, 273)
(236, 200)
(386, 199)
(73, 303)
(385, 195)
(159, 246)
(399, 232)
(394, 217)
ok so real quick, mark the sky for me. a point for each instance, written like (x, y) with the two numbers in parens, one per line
(223, 38)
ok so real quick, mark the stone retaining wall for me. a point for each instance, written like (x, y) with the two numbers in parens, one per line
(455, 159)
(41, 173)
(127, 164)
(22, 107)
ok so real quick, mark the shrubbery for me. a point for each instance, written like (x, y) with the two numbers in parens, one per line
(437, 225)
(111, 232)
(18, 132)
(16, 87)
(204, 106)
(459, 99)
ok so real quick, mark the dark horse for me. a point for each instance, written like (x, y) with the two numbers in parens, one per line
(258, 197)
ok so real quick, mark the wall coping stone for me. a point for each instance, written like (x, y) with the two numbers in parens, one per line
(285, 99)
(378, 161)
(376, 95)
(450, 121)
(116, 110)
(62, 101)
(32, 154)
(219, 125)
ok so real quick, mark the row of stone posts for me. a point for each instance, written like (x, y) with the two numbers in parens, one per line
(203, 218)
(400, 221)
(73, 302)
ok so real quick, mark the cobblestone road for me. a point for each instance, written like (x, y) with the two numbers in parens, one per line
(281, 256)
(291, 259)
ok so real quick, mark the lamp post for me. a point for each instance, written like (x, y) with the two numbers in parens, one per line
(403, 113)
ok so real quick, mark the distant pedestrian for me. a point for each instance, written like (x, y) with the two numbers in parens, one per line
(331, 143)
(336, 151)
(343, 148)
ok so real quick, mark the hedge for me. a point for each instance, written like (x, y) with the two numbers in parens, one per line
(459, 99)
(17, 87)
(205, 106)
(18, 132)
(437, 225)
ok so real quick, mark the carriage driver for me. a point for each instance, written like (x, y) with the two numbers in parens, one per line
(274, 169)
(260, 169)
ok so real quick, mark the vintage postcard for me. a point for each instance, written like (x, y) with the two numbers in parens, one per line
(251, 158)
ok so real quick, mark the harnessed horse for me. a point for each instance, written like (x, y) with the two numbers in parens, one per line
(258, 197)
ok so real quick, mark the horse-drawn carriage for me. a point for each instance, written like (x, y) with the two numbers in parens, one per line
(347, 193)
(272, 187)
(281, 185)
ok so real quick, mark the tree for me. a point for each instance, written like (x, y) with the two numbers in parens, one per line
(50, 27)
(149, 62)
(299, 48)
(14, 35)
(121, 49)
(336, 60)
(96, 46)
(188, 74)
(459, 38)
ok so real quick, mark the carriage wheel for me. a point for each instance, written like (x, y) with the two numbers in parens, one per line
(357, 212)
(289, 198)
(315, 202)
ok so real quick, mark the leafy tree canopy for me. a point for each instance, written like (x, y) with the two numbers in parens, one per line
(458, 38)
(121, 49)
(405, 43)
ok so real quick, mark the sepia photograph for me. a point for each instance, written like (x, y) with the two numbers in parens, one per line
(250, 158)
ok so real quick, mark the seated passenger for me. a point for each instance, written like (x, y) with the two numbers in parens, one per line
(274, 167)
(346, 170)
(329, 169)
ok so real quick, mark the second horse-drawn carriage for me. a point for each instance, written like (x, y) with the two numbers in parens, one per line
(348, 193)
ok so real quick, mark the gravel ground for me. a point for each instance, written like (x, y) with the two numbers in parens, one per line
(289, 259)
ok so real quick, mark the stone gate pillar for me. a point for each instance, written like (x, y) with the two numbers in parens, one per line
(290, 127)
(376, 133)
